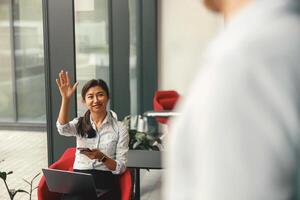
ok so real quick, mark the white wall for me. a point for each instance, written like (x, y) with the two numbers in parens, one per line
(185, 28)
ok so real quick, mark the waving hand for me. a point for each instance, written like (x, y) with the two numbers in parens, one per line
(65, 88)
(66, 91)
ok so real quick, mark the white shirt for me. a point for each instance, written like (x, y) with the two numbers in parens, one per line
(238, 136)
(111, 138)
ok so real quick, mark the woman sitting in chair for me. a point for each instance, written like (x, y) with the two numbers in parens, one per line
(102, 141)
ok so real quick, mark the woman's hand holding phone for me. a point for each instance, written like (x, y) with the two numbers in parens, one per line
(81, 149)
(91, 153)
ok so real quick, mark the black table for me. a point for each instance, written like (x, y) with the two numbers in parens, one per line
(142, 159)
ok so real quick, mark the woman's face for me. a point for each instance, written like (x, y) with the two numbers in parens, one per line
(96, 99)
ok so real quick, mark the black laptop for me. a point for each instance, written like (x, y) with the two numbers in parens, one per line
(68, 182)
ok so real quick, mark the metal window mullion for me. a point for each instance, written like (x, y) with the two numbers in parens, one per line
(119, 56)
(149, 52)
(59, 52)
(13, 59)
(110, 49)
(74, 56)
(47, 72)
(139, 54)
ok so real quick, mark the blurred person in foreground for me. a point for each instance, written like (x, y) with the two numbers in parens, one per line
(238, 136)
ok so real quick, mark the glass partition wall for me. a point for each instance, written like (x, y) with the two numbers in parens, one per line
(22, 95)
(29, 61)
(7, 112)
(133, 68)
(22, 82)
(92, 43)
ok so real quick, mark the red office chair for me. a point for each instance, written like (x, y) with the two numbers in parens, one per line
(164, 100)
(65, 162)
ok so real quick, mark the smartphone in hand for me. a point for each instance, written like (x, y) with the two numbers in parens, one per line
(83, 149)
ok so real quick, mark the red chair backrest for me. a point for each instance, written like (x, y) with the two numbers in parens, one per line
(164, 100)
(66, 162)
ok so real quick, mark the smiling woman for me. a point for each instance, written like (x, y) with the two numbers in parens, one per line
(102, 141)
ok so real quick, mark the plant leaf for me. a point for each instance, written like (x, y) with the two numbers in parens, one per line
(26, 181)
(35, 177)
(150, 137)
(140, 136)
(10, 172)
(158, 140)
(14, 192)
(24, 191)
(136, 144)
(3, 175)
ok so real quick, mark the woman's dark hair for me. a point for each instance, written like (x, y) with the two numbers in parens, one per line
(84, 126)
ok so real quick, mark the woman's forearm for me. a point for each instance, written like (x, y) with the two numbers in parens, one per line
(63, 116)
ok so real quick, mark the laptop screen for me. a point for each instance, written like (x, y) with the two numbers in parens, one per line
(69, 182)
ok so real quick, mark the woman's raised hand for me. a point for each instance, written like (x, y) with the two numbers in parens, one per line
(65, 88)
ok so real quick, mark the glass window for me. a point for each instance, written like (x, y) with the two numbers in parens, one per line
(92, 43)
(133, 71)
(17, 153)
(29, 60)
(6, 86)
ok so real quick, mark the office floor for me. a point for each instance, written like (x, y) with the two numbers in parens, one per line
(25, 153)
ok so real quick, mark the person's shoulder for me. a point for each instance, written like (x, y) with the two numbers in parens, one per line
(76, 119)
(122, 126)
(277, 41)
(274, 32)
(114, 117)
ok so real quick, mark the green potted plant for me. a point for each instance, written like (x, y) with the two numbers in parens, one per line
(12, 192)
(140, 140)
